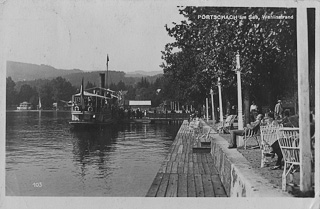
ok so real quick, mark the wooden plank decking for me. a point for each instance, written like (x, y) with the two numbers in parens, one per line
(186, 174)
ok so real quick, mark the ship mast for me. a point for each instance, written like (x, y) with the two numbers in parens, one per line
(107, 71)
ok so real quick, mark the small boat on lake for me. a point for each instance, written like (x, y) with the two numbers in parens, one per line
(24, 106)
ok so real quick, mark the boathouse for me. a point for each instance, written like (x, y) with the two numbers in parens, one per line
(141, 104)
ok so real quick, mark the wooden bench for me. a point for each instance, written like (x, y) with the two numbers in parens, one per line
(227, 124)
(203, 136)
(289, 143)
(202, 141)
(268, 134)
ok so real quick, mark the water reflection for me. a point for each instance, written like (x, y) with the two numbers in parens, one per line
(119, 160)
(94, 147)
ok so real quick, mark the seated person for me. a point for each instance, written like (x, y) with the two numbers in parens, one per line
(285, 121)
(277, 150)
(276, 147)
(269, 119)
(289, 121)
(234, 133)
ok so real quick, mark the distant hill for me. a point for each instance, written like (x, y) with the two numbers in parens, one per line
(143, 73)
(32, 74)
(19, 71)
(94, 77)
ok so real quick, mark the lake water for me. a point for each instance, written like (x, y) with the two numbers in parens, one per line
(45, 158)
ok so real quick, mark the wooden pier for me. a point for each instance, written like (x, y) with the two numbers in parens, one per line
(167, 117)
(185, 173)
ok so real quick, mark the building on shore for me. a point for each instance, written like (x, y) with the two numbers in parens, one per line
(141, 104)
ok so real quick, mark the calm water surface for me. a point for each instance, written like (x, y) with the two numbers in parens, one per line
(45, 158)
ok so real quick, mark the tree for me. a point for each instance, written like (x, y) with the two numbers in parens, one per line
(90, 85)
(121, 86)
(113, 87)
(34, 99)
(46, 94)
(62, 89)
(56, 90)
(10, 92)
(205, 49)
(26, 93)
(143, 83)
(131, 93)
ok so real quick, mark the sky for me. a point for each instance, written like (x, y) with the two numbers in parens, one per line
(78, 34)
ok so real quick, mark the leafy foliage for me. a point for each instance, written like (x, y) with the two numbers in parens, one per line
(90, 85)
(10, 92)
(27, 93)
(205, 49)
(46, 93)
(59, 89)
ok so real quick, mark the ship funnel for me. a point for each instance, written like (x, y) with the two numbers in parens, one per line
(102, 80)
(102, 83)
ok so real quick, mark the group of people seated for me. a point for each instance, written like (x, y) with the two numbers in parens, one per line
(269, 119)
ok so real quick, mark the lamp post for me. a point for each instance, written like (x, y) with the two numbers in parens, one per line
(207, 109)
(212, 107)
(240, 119)
(220, 100)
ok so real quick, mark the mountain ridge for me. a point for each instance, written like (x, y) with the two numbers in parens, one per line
(25, 73)
(141, 73)
(20, 71)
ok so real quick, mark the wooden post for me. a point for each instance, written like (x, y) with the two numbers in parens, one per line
(220, 100)
(303, 92)
(212, 107)
(207, 109)
(317, 108)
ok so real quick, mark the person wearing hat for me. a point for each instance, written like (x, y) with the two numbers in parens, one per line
(278, 110)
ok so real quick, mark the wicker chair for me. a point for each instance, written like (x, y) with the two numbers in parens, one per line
(289, 143)
(251, 134)
(226, 125)
(268, 136)
(203, 136)
(195, 127)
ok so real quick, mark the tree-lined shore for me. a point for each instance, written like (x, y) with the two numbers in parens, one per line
(59, 90)
(205, 48)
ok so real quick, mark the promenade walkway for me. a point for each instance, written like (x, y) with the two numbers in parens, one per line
(185, 173)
